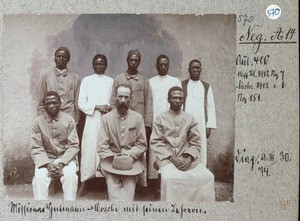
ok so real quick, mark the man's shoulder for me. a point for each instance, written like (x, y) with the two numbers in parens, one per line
(143, 77)
(66, 117)
(134, 114)
(120, 76)
(73, 75)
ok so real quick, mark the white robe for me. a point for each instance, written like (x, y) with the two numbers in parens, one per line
(94, 90)
(195, 106)
(160, 86)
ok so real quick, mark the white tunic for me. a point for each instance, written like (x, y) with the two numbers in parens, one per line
(160, 86)
(195, 106)
(94, 90)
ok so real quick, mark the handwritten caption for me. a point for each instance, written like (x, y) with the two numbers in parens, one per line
(255, 70)
(262, 162)
(50, 209)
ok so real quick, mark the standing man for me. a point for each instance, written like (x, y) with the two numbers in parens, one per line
(64, 82)
(175, 141)
(94, 96)
(160, 86)
(122, 135)
(199, 101)
(141, 100)
(54, 144)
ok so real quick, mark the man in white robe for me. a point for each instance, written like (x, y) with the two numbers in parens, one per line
(199, 101)
(94, 95)
(160, 86)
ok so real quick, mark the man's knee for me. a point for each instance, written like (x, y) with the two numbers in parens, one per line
(41, 174)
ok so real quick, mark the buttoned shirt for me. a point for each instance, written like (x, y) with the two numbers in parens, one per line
(175, 134)
(122, 134)
(53, 138)
(66, 84)
(141, 100)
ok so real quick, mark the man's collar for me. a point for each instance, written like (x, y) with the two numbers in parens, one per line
(135, 77)
(49, 119)
(175, 113)
(61, 72)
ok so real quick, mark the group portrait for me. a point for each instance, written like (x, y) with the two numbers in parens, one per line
(119, 107)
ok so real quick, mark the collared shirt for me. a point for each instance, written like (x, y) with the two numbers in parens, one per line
(122, 134)
(66, 84)
(53, 138)
(175, 134)
(160, 86)
(141, 100)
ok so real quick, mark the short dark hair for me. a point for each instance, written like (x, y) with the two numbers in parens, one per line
(194, 60)
(51, 93)
(126, 85)
(162, 56)
(172, 89)
(103, 57)
(65, 50)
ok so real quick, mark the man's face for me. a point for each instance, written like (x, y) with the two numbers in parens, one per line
(99, 66)
(61, 59)
(133, 62)
(162, 66)
(195, 71)
(51, 105)
(123, 99)
(176, 100)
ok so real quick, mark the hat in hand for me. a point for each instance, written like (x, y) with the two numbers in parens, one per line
(122, 165)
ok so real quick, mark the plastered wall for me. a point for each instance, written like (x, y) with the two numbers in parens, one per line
(30, 42)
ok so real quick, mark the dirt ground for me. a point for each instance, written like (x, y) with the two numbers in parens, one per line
(97, 191)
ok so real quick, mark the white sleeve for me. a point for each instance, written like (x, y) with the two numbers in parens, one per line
(83, 100)
(211, 112)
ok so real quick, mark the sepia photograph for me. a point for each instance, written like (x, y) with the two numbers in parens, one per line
(119, 107)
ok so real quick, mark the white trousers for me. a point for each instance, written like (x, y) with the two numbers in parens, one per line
(120, 188)
(195, 185)
(69, 180)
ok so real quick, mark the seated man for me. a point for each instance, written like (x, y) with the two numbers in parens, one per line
(54, 144)
(122, 132)
(175, 141)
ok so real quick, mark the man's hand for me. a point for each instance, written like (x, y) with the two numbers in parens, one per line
(60, 168)
(208, 130)
(52, 170)
(177, 162)
(103, 108)
(187, 163)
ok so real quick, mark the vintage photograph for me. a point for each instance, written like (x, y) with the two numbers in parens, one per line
(119, 107)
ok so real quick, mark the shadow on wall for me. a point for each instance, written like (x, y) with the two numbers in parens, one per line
(114, 36)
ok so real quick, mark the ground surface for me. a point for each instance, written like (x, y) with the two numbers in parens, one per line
(97, 191)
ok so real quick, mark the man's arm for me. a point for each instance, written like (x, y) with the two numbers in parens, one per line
(83, 101)
(41, 91)
(157, 141)
(104, 150)
(76, 108)
(38, 153)
(73, 144)
(211, 112)
(140, 146)
(113, 96)
(193, 140)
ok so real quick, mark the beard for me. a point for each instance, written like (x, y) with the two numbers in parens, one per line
(122, 108)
